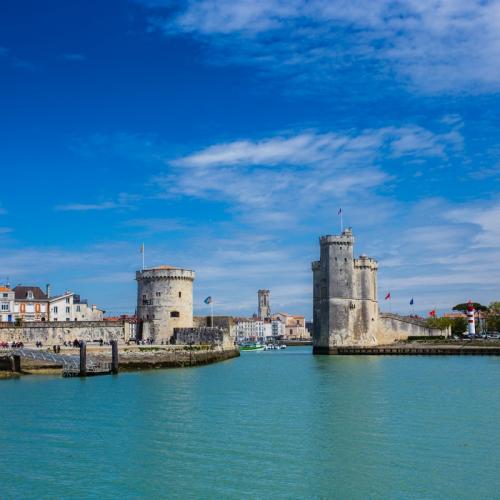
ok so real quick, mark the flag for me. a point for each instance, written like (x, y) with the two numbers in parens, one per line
(339, 212)
(433, 313)
(411, 301)
(142, 248)
(208, 300)
(388, 296)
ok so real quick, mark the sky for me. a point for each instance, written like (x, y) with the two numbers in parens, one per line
(225, 136)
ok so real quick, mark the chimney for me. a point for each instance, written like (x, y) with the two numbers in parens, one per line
(47, 290)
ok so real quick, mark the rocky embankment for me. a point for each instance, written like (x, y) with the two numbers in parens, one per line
(135, 358)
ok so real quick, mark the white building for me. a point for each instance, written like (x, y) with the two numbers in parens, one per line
(254, 329)
(30, 303)
(70, 307)
(7, 301)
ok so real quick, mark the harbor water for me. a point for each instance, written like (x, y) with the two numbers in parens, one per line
(279, 424)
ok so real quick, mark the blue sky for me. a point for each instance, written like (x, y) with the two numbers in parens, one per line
(225, 135)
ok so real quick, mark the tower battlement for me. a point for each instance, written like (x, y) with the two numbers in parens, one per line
(365, 262)
(346, 238)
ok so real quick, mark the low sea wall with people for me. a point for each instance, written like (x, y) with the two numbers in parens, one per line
(59, 332)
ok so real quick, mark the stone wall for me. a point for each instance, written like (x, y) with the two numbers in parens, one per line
(58, 332)
(393, 327)
(202, 336)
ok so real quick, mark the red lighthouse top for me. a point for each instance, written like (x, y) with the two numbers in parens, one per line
(470, 307)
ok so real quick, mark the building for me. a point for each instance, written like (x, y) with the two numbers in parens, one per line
(345, 305)
(70, 307)
(293, 326)
(31, 303)
(164, 301)
(7, 301)
(254, 329)
(264, 304)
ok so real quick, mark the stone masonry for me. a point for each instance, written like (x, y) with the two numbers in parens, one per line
(164, 301)
(345, 306)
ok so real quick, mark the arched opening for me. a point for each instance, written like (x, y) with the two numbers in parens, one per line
(174, 314)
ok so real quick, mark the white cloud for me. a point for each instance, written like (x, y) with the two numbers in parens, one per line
(86, 207)
(438, 45)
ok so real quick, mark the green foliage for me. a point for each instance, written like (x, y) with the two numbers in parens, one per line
(19, 322)
(457, 325)
(495, 308)
(463, 307)
(441, 323)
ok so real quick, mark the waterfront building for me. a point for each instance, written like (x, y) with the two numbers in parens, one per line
(7, 300)
(164, 301)
(294, 326)
(345, 305)
(30, 303)
(71, 307)
(254, 329)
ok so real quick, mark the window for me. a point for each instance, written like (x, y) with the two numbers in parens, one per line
(30, 295)
(144, 297)
(54, 309)
(5, 307)
(67, 309)
(174, 314)
(67, 319)
(158, 294)
(67, 300)
(180, 295)
(5, 295)
(291, 331)
(77, 308)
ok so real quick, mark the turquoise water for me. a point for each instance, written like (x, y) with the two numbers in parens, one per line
(282, 424)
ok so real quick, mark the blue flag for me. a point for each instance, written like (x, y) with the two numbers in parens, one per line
(411, 301)
(208, 300)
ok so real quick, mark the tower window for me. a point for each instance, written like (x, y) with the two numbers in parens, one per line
(174, 314)
(158, 294)
(180, 295)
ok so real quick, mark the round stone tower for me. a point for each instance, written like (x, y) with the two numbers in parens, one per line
(164, 301)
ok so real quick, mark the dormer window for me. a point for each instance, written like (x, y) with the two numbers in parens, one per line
(30, 295)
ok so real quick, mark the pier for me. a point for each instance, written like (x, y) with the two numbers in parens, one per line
(419, 350)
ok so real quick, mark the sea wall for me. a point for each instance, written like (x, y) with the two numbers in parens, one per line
(392, 327)
(58, 332)
(203, 336)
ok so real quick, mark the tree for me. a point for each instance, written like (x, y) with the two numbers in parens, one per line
(475, 305)
(457, 325)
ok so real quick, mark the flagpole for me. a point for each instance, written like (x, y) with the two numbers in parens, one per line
(143, 252)
(212, 313)
(341, 222)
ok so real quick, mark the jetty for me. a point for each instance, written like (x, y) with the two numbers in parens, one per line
(419, 350)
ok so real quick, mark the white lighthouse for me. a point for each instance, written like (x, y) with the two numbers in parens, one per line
(471, 325)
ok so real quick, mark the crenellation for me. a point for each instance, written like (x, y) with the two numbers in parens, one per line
(345, 304)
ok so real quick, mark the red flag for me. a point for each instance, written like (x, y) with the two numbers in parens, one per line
(433, 313)
(388, 296)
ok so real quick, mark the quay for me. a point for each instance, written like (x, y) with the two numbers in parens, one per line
(419, 350)
(100, 361)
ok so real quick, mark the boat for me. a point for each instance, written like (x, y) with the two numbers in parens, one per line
(252, 346)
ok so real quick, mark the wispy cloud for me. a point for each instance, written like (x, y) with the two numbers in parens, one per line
(85, 207)
(435, 46)
(286, 177)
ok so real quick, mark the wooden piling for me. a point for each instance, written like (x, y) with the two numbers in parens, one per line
(15, 363)
(83, 359)
(114, 356)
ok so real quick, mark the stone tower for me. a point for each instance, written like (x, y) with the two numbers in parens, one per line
(164, 301)
(345, 308)
(264, 305)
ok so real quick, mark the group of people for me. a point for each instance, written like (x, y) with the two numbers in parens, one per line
(13, 345)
